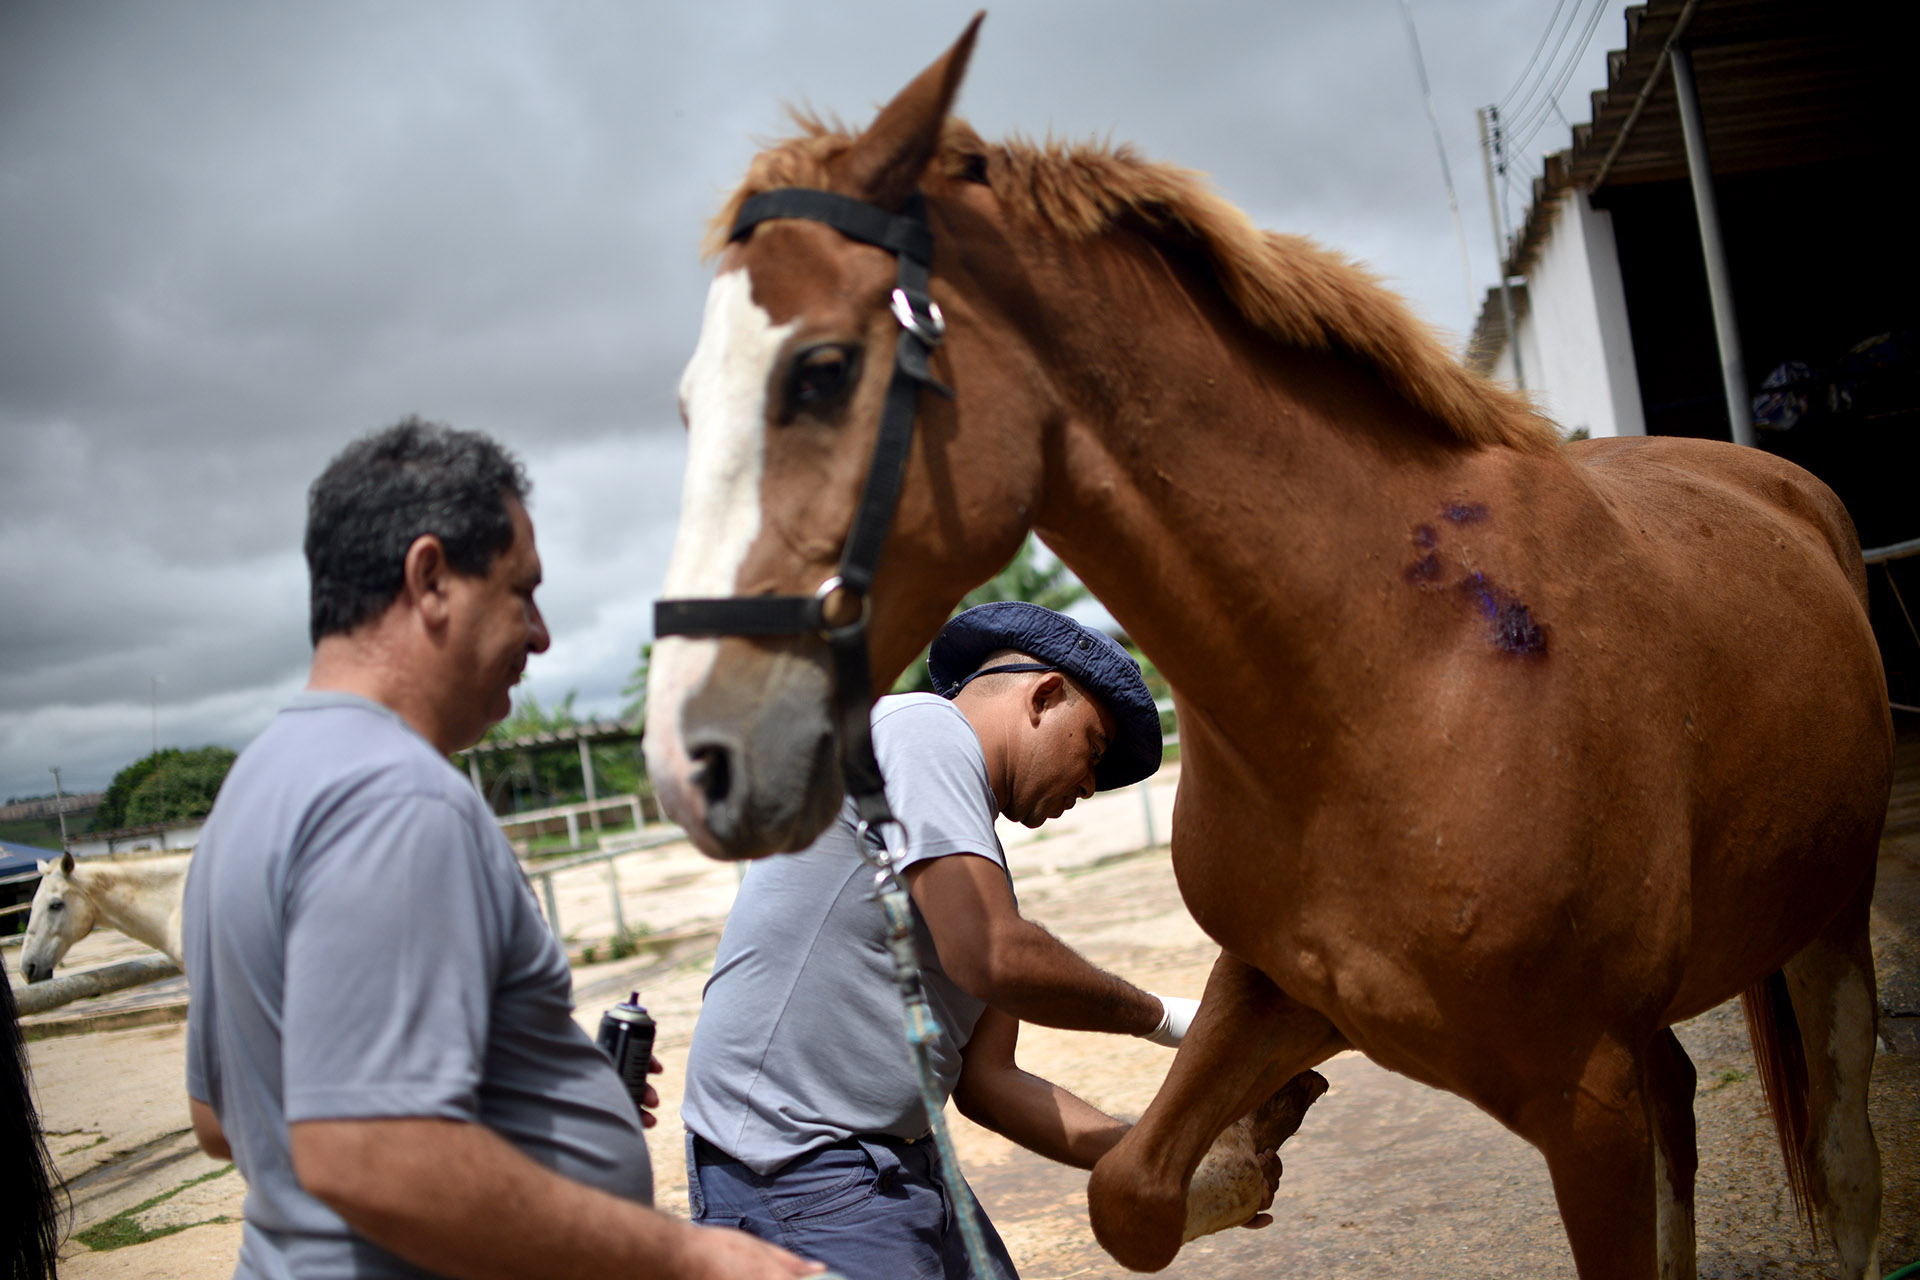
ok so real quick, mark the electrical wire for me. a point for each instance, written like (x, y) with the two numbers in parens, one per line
(1541, 114)
(1528, 69)
(1529, 96)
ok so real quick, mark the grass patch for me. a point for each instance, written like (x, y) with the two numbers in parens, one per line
(124, 1229)
(1731, 1075)
(85, 1146)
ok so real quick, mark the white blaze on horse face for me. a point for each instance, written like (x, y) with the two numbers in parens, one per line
(724, 395)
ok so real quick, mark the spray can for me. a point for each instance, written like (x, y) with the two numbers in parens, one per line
(626, 1036)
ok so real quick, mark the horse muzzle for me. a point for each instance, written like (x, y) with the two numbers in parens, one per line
(743, 756)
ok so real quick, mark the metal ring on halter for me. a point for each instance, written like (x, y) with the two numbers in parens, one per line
(833, 586)
(929, 330)
(881, 861)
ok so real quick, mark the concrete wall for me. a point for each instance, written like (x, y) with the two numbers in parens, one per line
(1574, 340)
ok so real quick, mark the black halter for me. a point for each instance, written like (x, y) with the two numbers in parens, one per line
(839, 610)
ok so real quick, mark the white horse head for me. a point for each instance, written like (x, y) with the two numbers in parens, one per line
(139, 898)
(62, 914)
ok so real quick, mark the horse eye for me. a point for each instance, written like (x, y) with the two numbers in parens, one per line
(820, 375)
(56, 905)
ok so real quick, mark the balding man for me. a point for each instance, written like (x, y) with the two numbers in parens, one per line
(381, 1034)
(804, 1117)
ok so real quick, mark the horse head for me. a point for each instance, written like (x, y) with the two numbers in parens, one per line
(62, 914)
(783, 401)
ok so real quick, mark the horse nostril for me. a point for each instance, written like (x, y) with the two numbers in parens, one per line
(713, 773)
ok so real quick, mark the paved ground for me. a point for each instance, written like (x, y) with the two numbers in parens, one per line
(1386, 1176)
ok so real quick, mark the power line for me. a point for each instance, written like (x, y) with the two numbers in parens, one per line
(1550, 105)
(1528, 69)
(1529, 98)
(1535, 112)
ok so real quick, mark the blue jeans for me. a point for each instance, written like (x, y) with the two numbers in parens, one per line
(871, 1208)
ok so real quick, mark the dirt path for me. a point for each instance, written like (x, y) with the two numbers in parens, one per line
(1386, 1177)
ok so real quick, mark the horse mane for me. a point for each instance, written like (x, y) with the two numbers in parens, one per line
(1286, 286)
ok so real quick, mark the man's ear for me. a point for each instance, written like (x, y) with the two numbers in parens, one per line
(1049, 689)
(425, 572)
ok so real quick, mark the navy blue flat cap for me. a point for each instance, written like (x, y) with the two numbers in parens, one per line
(1094, 660)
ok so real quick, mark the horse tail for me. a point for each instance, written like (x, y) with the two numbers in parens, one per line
(30, 1234)
(1781, 1058)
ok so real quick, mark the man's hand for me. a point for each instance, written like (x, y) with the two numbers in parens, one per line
(459, 1200)
(1237, 1178)
(650, 1100)
(720, 1253)
(1178, 1016)
(1269, 1162)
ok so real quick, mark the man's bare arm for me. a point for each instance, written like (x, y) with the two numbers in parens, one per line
(461, 1201)
(1039, 1115)
(1013, 964)
(207, 1130)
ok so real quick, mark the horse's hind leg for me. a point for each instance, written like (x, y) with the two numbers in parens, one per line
(1832, 985)
(1670, 1080)
(1248, 1039)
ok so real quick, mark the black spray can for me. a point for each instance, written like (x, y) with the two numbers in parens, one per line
(626, 1035)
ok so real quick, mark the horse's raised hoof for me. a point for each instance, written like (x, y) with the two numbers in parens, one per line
(1232, 1183)
(1142, 1230)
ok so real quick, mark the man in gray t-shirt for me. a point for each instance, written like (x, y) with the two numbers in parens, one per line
(804, 1118)
(381, 1034)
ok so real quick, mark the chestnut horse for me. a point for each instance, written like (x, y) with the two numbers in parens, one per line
(1499, 757)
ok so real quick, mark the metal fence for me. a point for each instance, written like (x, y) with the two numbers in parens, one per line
(611, 848)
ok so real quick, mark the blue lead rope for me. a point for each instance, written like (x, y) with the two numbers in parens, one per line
(923, 1029)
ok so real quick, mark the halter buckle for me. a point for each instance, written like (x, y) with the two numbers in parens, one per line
(833, 596)
(930, 328)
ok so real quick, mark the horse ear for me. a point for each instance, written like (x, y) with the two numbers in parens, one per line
(66, 864)
(885, 163)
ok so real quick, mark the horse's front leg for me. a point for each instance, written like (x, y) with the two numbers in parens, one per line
(1247, 1040)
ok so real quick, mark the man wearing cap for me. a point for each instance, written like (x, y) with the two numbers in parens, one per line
(804, 1119)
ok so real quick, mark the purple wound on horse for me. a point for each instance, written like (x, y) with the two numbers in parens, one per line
(1425, 571)
(1514, 630)
(1465, 513)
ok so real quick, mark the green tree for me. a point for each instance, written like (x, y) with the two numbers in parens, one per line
(168, 785)
(112, 813)
(537, 777)
(635, 711)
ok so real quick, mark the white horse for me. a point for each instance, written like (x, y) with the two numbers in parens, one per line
(140, 898)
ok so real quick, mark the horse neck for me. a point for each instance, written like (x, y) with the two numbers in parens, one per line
(142, 902)
(1216, 489)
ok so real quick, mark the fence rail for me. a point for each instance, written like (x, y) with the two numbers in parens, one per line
(611, 847)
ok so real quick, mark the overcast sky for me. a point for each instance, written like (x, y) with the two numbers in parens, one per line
(238, 235)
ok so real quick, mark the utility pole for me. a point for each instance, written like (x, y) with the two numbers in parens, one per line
(1500, 239)
(59, 806)
(154, 687)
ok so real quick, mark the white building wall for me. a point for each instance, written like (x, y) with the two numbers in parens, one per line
(1574, 339)
(175, 839)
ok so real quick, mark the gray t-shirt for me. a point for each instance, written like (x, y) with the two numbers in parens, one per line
(361, 944)
(801, 1040)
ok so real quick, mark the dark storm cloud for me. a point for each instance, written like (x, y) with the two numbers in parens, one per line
(238, 235)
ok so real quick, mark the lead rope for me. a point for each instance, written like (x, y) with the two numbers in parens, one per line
(923, 1029)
